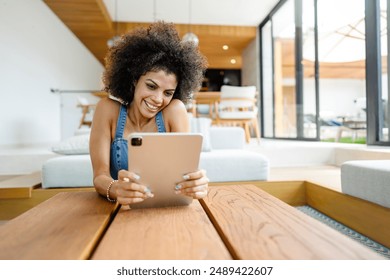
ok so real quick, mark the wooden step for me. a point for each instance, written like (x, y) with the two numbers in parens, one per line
(20, 186)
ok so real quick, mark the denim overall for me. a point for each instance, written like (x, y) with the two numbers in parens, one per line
(119, 149)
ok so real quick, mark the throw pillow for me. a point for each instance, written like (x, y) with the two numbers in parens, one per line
(75, 145)
(202, 125)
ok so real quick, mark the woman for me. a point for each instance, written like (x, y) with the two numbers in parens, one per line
(149, 75)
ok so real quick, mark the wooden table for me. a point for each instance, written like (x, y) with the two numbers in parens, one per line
(233, 222)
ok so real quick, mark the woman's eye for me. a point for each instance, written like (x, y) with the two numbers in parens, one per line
(168, 93)
(151, 86)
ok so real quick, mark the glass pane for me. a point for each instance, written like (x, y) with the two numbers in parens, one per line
(284, 71)
(341, 52)
(309, 86)
(267, 70)
(384, 136)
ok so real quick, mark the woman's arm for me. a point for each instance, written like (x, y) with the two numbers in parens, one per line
(100, 143)
(126, 189)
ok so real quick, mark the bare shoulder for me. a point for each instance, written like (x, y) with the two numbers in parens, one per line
(176, 107)
(176, 117)
(107, 104)
(107, 108)
(105, 115)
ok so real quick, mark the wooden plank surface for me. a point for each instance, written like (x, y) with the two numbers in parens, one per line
(162, 233)
(368, 218)
(256, 225)
(290, 192)
(66, 226)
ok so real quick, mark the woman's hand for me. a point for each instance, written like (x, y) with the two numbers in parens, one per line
(195, 185)
(128, 190)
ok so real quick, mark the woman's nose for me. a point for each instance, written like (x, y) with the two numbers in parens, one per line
(158, 97)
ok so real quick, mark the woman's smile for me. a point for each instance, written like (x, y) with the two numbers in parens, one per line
(151, 107)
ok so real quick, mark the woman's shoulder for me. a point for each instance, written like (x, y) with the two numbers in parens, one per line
(175, 116)
(107, 103)
(107, 107)
(175, 105)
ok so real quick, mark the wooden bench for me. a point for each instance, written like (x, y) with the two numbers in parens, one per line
(233, 222)
(67, 226)
(162, 233)
(365, 217)
(265, 228)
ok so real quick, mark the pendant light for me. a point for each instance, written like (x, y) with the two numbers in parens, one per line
(112, 41)
(189, 36)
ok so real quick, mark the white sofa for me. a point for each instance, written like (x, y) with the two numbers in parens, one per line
(223, 157)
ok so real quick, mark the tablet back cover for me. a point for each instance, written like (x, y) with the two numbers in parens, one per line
(161, 160)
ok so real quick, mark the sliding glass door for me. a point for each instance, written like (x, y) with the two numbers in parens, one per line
(289, 110)
(317, 81)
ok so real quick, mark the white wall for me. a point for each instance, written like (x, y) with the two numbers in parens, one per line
(37, 53)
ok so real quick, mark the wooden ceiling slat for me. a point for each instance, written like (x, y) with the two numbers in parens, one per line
(89, 20)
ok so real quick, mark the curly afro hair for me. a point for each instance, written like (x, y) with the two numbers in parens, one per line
(152, 49)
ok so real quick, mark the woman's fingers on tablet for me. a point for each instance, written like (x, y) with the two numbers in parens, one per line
(195, 185)
(129, 191)
(128, 196)
(195, 175)
(127, 201)
(127, 176)
(192, 183)
(197, 191)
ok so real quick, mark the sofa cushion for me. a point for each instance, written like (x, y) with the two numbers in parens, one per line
(67, 171)
(75, 145)
(227, 137)
(202, 126)
(231, 165)
(367, 179)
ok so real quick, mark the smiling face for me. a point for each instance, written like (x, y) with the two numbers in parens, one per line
(153, 92)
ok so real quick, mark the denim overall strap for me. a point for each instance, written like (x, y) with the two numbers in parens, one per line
(120, 125)
(119, 148)
(160, 122)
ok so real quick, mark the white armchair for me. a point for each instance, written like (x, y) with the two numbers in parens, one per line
(238, 107)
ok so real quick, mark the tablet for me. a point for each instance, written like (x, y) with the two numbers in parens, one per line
(161, 160)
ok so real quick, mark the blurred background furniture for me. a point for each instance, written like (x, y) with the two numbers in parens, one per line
(87, 111)
(205, 103)
(238, 107)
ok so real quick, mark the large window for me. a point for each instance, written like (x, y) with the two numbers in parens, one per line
(377, 24)
(289, 95)
(313, 67)
(267, 104)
